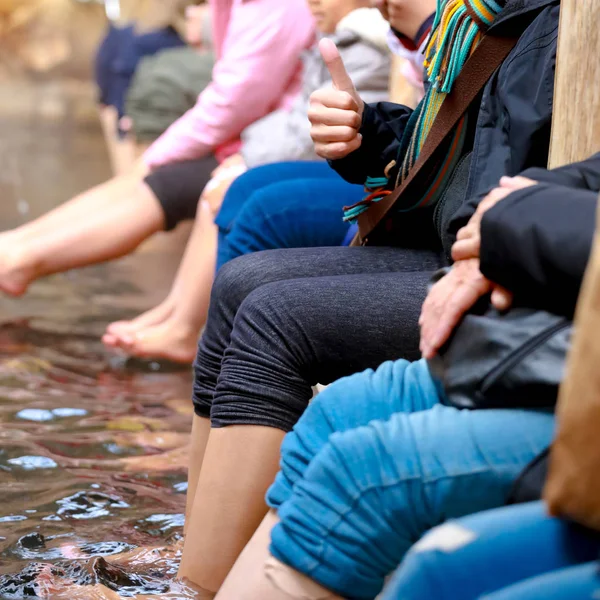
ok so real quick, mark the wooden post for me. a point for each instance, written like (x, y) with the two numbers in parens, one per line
(576, 123)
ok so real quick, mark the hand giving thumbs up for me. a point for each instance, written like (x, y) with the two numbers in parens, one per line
(335, 114)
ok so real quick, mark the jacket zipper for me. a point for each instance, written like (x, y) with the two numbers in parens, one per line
(492, 377)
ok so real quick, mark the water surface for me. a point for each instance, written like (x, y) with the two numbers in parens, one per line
(92, 445)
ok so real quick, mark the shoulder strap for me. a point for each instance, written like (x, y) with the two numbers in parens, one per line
(487, 57)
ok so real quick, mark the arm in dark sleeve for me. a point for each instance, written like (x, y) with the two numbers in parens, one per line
(584, 175)
(536, 243)
(382, 128)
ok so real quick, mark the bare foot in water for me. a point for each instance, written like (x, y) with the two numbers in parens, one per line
(151, 317)
(15, 275)
(168, 340)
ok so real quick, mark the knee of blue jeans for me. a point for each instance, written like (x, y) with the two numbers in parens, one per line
(350, 402)
(343, 405)
(299, 447)
(338, 526)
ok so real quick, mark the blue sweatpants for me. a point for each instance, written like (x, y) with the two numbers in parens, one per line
(516, 553)
(377, 460)
(284, 205)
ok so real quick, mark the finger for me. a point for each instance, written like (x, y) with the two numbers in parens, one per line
(459, 304)
(432, 310)
(329, 134)
(465, 249)
(338, 150)
(468, 231)
(517, 183)
(502, 299)
(323, 115)
(335, 66)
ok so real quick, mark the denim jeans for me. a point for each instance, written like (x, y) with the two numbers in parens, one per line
(284, 205)
(503, 553)
(377, 460)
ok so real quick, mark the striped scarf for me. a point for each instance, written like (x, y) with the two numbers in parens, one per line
(457, 30)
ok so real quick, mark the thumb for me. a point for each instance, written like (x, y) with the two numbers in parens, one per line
(502, 299)
(335, 65)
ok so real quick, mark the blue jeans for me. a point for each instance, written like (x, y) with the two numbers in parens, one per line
(284, 205)
(377, 460)
(516, 552)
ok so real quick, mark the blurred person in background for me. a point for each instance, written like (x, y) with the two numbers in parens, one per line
(151, 66)
(258, 46)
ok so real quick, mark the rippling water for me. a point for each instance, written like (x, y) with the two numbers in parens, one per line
(92, 467)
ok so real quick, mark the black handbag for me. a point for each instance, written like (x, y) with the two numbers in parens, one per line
(515, 359)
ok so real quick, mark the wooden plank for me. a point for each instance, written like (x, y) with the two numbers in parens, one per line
(576, 124)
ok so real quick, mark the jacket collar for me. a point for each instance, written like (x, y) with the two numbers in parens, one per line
(518, 10)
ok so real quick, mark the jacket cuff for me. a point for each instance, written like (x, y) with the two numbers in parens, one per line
(354, 168)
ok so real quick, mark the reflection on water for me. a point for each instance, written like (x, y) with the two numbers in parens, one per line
(92, 467)
(92, 447)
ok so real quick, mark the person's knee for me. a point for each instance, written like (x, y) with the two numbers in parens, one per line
(338, 525)
(251, 232)
(238, 278)
(261, 381)
(348, 403)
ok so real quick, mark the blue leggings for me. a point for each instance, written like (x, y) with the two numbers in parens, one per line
(377, 460)
(284, 205)
(512, 553)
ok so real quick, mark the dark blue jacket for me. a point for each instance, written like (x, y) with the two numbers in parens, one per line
(512, 132)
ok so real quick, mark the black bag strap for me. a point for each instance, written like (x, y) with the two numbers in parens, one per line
(478, 69)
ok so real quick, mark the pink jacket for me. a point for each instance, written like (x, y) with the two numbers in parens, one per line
(258, 45)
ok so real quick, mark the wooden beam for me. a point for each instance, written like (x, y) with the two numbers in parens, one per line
(576, 123)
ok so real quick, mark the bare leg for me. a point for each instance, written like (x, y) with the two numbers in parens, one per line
(240, 463)
(171, 330)
(200, 433)
(256, 575)
(103, 223)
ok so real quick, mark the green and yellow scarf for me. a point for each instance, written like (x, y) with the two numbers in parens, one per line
(457, 30)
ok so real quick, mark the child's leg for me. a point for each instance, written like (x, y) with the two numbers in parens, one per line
(177, 188)
(103, 223)
(259, 177)
(454, 559)
(176, 336)
(121, 150)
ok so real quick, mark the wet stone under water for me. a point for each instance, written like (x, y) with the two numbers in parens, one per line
(92, 446)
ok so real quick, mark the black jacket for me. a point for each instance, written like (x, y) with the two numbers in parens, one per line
(513, 119)
(537, 241)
